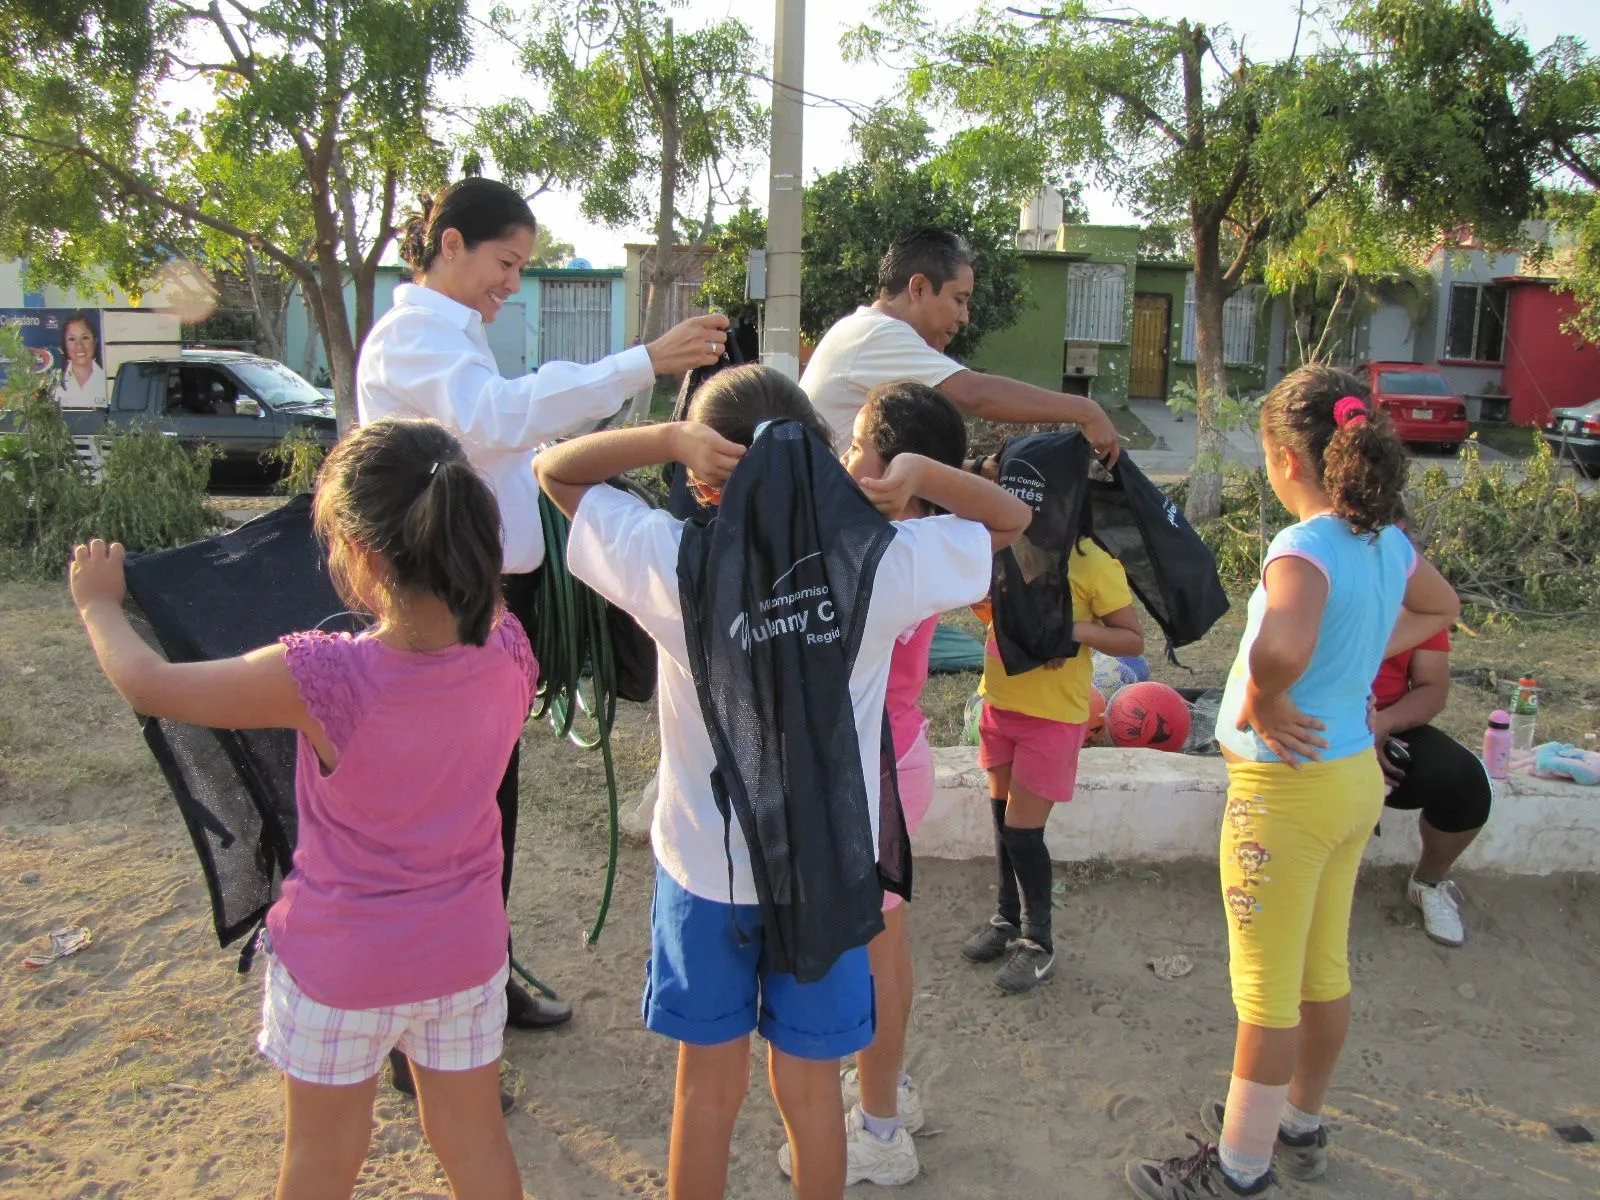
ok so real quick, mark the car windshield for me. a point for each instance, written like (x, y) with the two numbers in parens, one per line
(276, 383)
(1413, 383)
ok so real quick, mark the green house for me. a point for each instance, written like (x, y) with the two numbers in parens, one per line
(1109, 324)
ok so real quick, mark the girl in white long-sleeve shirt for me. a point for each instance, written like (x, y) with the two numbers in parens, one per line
(428, 356)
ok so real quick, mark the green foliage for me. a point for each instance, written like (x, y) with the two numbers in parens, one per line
(852, 214)
(315, 119)
(548, 250)
(621, 82)
(46, 500)
(726, 270)
(1403, 108)
(1517, 537)
(151, 494)
(300, 455)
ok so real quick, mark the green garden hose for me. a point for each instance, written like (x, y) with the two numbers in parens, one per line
(573, 646)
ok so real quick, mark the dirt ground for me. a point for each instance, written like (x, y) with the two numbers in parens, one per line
(129, 1070)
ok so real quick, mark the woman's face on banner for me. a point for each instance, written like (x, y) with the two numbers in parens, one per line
(80, 344)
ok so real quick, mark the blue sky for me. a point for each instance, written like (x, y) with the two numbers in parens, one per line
(1268, 31)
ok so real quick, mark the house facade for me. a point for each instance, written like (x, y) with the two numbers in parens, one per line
(559, 315)
(1494, 332)
(1109, 324)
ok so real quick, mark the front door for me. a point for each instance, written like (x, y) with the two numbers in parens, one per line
(1152, 335)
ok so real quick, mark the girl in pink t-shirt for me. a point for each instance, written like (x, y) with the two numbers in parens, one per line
(390, 931)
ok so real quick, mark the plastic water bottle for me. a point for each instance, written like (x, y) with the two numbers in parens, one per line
(1524, 713)
(1497, 745)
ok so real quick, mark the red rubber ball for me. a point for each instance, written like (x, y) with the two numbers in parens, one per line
(1148, 714)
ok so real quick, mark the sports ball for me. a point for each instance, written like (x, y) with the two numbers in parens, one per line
(1148, 714)
(1097, 716)
(1138, 666)
(1110, 673)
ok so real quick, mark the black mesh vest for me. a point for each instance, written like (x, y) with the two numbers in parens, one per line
(1169, 567)
(775, 590)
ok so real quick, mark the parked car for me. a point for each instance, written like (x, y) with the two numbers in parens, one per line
(1573, 434)
(1422, 405)
(242, 404)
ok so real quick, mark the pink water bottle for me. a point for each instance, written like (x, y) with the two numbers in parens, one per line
(1497, 744)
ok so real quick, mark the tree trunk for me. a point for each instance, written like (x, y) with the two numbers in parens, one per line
(1211, 381)
(664, 266)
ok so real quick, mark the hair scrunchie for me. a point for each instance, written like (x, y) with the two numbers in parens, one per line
(1348, 410)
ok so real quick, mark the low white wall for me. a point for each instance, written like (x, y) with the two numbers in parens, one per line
(1151, 806)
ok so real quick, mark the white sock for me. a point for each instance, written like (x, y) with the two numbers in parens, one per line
(1294, 1121)
(1250, 1128)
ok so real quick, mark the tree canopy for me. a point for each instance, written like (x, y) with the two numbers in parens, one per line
(902, 180)
(1394, 108)
(321, 117)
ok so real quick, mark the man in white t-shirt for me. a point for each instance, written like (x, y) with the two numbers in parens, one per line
(924, 284)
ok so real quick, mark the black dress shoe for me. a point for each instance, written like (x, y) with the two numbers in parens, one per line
(400, 1078)
(524, 1010)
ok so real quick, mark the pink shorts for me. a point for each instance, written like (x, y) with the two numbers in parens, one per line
(319, 1044)
(1042, 755)
(914, 772)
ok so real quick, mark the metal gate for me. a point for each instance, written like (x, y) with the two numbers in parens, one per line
(574, 320)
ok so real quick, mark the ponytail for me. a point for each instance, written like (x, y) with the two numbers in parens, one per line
(1326, 416)
(451, 546)
(478, 209)
(405, 489)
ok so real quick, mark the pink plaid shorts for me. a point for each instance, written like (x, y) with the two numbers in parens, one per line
(319, 1044)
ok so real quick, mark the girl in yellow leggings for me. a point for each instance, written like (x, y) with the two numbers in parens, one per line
(1341, 589)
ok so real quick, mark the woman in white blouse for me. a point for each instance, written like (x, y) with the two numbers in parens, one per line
(83, 382)
(428, 357)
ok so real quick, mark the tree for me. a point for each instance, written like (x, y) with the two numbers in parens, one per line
(547, 251)
(1177, 117)
(632, 100)
(1561, 103)
(320, 118)
(851, 215)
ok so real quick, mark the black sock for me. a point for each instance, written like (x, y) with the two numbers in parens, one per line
(1032, 864)
(1007, 903)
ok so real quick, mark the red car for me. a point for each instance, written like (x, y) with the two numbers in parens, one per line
(1420, 402)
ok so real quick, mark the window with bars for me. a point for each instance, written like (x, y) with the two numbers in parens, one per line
(1476, 331)
(1096, 298)
(1239, 313)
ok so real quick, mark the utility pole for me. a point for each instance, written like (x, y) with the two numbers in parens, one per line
(780, 346)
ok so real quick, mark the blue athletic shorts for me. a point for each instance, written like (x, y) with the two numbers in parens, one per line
(706, 985)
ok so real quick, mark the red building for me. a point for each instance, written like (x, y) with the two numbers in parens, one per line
(1545, 368)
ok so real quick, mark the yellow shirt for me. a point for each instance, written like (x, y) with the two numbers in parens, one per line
(1099, 586)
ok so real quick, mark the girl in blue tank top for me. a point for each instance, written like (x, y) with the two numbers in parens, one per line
(1341, 589)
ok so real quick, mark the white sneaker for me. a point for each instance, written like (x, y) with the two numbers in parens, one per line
(1441, 910)
(908, 1101)
(868, 1160)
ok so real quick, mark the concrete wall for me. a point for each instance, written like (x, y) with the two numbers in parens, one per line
(1031, 349)
(1142, 805)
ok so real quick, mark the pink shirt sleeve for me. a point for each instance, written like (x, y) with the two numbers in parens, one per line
(322, 665)
(515, 639)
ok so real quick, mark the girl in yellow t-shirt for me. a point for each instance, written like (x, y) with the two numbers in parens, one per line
(1029, 735)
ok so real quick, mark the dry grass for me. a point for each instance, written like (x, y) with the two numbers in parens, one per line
(69, 748)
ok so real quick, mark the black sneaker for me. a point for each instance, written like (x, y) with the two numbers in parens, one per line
(990, 942)
(1303, 1155)
(1029, 964)
(1198, 1177)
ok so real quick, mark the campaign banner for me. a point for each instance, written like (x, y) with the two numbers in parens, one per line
(64, 343)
